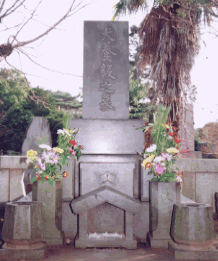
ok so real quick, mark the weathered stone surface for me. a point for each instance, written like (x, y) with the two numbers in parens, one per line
(51, 197)
(4, 178)
(189, 185)
(192, 224)
(38, 132)
(162, 197)
(105, 217)
(183, 252)
(105, 194)
(145, 184)
(106, 61)
(109, 136)
(23, 223)
(187, 131)
(84, 243)
(22, 254)
(116, 175)
(197, 165)
(13, 162)
(206, 186)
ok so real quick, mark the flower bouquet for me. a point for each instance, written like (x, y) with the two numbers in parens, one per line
(46, 165)
(164, 149)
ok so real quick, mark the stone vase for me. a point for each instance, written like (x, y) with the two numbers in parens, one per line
(162, 197)
(23, 231)
(51, 197)
(193, 225)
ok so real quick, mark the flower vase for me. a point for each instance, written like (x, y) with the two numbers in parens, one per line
(162, 197)
(51, 197)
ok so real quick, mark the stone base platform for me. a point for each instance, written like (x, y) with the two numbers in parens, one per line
(158, 242)
(191, 253)
(22, 254)
(106, 242)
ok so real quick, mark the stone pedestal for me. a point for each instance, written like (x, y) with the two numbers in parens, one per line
(105, 194)
(193, 232)
(185, 252)
(162, 197)
(51, 197)
(23, 232)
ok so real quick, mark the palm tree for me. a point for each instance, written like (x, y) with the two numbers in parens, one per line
(169, 41)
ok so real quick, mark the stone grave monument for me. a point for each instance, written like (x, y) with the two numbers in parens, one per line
(107, 195)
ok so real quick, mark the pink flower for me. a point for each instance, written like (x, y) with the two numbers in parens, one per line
(159, 169)
(166, 156)
(55, 159)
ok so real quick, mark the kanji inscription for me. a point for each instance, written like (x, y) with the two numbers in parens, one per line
(106, 70)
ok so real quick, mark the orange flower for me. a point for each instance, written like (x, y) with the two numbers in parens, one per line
(66, 174)
(148, 165)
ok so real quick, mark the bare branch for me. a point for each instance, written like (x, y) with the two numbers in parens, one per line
(2, 5)
(46, 67)
(11, 10)
(46, 32)
(27, 21)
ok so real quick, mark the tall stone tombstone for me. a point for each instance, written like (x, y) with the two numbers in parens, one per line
(109, 161)
(106, 70)
(187, 132)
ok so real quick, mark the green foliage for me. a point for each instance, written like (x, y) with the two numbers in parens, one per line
(17, 109)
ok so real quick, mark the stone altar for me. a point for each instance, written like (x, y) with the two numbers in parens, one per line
(107, 195)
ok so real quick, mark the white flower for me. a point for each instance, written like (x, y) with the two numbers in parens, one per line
(60, 132)
(170, 137)
(76, 147)
(153, 147)
(44, 146)
(159, 159)
(179, 179)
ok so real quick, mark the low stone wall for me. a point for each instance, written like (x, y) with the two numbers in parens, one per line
(11, 175)
(200, 180)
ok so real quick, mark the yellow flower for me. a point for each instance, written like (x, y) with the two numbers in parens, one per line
(167, 126)
(151, 157)
(31, 153)
(58, 150)
(172, 150)
(148, 160)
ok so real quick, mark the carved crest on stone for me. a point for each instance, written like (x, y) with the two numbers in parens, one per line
(107, 178)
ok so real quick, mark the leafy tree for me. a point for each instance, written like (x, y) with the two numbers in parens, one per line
(208, 134)
(18, 109)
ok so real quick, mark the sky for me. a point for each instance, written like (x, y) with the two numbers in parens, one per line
(62, 50)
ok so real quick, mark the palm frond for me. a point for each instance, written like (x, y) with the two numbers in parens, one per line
(128, 5)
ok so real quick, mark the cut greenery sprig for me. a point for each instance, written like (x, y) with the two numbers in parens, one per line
(160, 156)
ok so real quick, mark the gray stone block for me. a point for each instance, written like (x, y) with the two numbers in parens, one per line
(109, 136)
(182, 252)
(22, 254)
(105, 194)
(162, 197)
(106, 70)
(192, 224)
(105, 218)
(38, 132)
(116, 175)
(23, 223)
(13, 162)
(51, 197)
